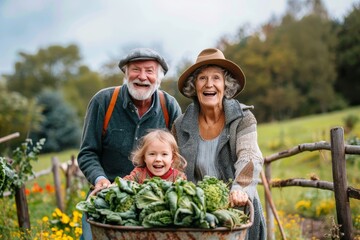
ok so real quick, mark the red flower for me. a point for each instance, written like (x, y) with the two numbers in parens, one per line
(49, 188)
(36, 188)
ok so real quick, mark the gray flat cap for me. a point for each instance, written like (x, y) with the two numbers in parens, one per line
(139, 54)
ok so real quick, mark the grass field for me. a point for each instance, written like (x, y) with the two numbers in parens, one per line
(278, 136)
(275, 137)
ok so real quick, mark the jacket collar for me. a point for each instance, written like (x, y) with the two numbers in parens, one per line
(232, 108)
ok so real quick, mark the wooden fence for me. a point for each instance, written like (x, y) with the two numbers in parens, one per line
(339, 186)
(70, 170)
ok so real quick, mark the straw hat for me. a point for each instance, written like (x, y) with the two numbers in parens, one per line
(214, 56)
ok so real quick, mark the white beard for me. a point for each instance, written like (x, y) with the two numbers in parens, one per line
(141, 94)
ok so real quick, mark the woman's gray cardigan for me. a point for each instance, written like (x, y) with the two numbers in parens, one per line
(238, 155)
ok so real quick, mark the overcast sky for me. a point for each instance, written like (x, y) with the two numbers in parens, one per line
(103, 29)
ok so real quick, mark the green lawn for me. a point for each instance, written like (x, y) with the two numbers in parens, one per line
(303, 130)
(288, 134)
(45, 160)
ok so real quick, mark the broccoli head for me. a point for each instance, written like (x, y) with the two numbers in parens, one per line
(216, 193)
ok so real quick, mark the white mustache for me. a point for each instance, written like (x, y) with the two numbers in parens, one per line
(146, 82)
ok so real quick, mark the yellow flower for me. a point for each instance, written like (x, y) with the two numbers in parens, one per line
(83, 194)
(45, 219)
(288, 225)
(65, 219)
(58, 212)
(76, 216)
(325, 207)
(303, 205)
(78, 231)
(59, 233)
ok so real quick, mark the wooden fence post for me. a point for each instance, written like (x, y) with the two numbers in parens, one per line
(269, 215)
(340, 183)
(22, 208)
(70, 172)
(57, 183)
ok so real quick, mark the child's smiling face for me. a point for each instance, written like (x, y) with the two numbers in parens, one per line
(158, 157)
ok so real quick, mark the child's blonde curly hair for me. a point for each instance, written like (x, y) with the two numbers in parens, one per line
(163, 135)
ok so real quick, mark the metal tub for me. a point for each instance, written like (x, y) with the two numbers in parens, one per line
(114, 232)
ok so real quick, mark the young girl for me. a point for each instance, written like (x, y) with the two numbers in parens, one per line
(157, 155)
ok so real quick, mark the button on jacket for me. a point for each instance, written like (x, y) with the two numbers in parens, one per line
(108, 155)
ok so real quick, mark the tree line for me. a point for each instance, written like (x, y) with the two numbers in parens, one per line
(298, 64)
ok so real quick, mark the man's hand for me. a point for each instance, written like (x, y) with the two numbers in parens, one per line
(102, 183)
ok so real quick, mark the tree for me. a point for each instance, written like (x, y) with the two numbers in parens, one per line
(111, 74)
(48, 68)
(289, 64)
(348, 60)
(17, 114)
(60, 127)
(80, 88)
(313, 40)
(268, 61)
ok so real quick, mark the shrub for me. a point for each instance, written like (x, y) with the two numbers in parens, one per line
(350, 121)
(60, 127)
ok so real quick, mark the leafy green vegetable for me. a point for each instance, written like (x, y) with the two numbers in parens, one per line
(172, 198)
(151, 208)
(130, 187)
(99, 203)
(216, 193)
(224, 218)
(131, 222)
(158, 219)
(211, 219)
(84, 206)
(159, 203)
(156, 189)
(126, 203)
(199, 198)
(182, 217)
(113, 218)
(146, 196)
(230, 217)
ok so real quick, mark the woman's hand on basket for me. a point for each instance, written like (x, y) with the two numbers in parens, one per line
(238, 198)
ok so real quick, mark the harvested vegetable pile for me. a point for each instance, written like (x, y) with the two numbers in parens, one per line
(159, 203)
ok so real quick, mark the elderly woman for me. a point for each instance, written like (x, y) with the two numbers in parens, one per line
(217, 135)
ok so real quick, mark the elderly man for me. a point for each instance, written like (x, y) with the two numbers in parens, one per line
(118, 117)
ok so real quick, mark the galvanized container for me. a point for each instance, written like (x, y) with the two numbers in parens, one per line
(114, 232)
